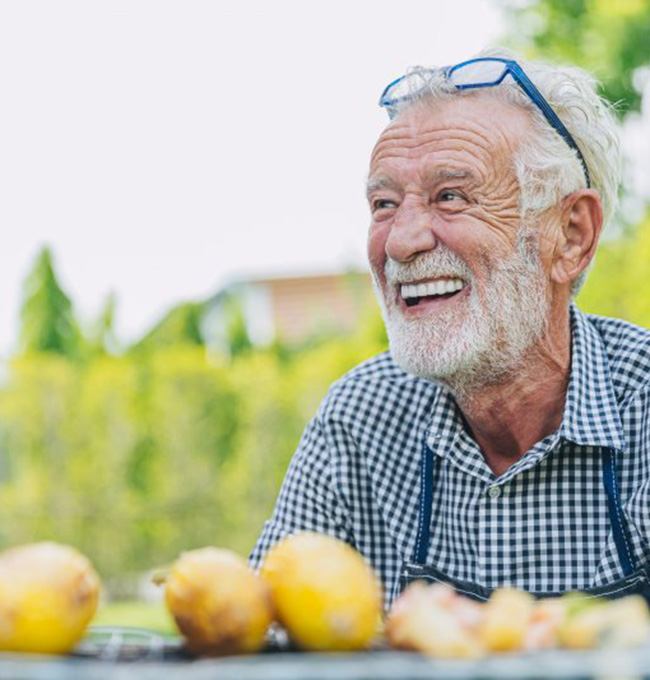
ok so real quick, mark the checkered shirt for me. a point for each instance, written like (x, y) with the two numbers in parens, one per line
(542, 525)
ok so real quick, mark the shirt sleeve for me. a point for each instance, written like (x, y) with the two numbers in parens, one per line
(308, 499)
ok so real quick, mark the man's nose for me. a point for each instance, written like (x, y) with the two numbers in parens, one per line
(411, 233)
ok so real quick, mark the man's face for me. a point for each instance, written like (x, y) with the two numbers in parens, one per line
(459, 278)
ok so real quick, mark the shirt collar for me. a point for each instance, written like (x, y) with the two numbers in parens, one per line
(447, 437)
(591, 414)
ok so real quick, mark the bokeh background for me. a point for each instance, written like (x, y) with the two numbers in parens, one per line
(182, 270)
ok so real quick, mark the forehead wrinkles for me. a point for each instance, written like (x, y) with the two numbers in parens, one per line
(453, 138)
(454, 147)
(407, 140)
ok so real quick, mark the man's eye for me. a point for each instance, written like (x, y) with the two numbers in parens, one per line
(383, 204)
(449, 195)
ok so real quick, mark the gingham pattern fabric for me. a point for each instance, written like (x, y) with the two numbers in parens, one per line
(542, 526)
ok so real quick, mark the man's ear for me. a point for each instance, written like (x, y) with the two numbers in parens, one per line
(581, 224)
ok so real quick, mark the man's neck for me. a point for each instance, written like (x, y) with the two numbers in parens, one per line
(507, 419)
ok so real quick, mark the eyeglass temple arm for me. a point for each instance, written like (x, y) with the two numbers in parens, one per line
(540, 102)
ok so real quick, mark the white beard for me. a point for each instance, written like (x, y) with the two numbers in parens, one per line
(475, 341)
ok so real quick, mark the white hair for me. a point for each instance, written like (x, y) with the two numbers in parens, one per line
(547, 168)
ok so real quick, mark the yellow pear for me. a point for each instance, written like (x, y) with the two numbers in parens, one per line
(218, 603)
(48, 595)
(323, 592)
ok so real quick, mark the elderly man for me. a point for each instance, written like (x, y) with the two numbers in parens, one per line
(505, 439)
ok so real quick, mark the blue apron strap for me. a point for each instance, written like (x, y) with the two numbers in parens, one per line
(617, 521)
(619, 528)
(424, 513)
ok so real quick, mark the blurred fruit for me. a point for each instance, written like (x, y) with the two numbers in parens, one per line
(585, 628)
(218, 603)
(48, 595)
(629, 622)
(598, 623)
(547, 618)
(435, 621)
(506, 619)
(323, 592)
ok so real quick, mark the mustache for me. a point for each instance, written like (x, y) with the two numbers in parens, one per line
(437, 263)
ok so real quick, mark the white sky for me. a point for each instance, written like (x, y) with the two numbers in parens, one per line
(163, 148)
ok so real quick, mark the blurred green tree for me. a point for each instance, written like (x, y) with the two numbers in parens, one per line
(237, 339)
(181, 325)
(102, 338)
(609, 37)
(48, 323)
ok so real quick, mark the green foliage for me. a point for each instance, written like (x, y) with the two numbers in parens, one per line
(237, 338)
(180, 326)
(118, 458)
(48, 322)
(150, 615)
(135, 458)
(102, 338)
(609, 37)
(619, 284)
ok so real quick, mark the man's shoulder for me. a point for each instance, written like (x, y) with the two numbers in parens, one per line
(376, 380)
(628, 351)
(380, 368)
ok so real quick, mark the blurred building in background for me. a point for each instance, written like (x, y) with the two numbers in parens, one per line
(289, 309)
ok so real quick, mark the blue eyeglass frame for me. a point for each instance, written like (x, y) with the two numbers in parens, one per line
(524, 82)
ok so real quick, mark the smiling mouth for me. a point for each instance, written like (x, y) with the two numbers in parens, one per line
(440, 289)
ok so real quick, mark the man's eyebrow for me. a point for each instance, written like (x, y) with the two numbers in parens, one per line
(379, 182)
(385, 182)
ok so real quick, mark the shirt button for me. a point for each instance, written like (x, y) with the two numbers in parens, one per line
(494, 491)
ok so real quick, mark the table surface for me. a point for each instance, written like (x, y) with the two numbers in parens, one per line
(120, 653)
(377, 665)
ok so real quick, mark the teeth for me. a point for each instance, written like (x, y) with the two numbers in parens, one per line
(439, 287)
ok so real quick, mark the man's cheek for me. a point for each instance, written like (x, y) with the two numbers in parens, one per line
(377, 252)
